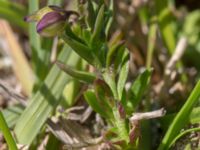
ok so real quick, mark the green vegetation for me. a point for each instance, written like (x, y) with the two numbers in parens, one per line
(99, 70)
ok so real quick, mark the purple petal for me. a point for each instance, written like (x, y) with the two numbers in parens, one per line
(49, 19)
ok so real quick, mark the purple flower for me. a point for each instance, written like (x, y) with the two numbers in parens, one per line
(51, 20)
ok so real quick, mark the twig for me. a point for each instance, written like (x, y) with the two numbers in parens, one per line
(68, 135)
(89, 143)
(86, 114)
(12, 93)
(74, 109)
(179, 51)
(148, 115)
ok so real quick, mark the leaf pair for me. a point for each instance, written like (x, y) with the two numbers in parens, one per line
(98, 101)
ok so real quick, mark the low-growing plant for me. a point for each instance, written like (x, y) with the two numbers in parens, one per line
(98, 60)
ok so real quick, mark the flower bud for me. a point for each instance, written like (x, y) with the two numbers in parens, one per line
(51, 20)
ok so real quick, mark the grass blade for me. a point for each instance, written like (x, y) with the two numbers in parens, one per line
(181, 118)
(151, 41)
(183, 133)
(45, 100)
(165, 24)
(12, 114)
(39, 54)
(6, 132)
(8, 11)
(21, 65)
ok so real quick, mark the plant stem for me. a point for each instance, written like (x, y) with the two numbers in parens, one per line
(6, 132)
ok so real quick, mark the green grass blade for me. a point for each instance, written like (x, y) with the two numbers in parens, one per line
(151, 41)
(8, 11)
(6, 132)
(12, 114)
(181, 118)
(184, 133)
(39, 54)
(45, 100)
(165, 20)
(193, 118)
(34, 39)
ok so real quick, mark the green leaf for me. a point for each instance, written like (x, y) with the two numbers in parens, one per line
(112, 52)
(45, 100)
(73, 35)
(81, 49)
(181, 118)
(6, 133)
(98, 25)
(91, 14)
(109, 78)
(110, 18)
(90, 97)
(119, 58)
(103, 96)
(123, 76)
(139, 86)
(79, 75)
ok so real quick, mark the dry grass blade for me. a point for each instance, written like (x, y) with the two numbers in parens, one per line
(20, 64)
(72, 134)
(179, 51)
